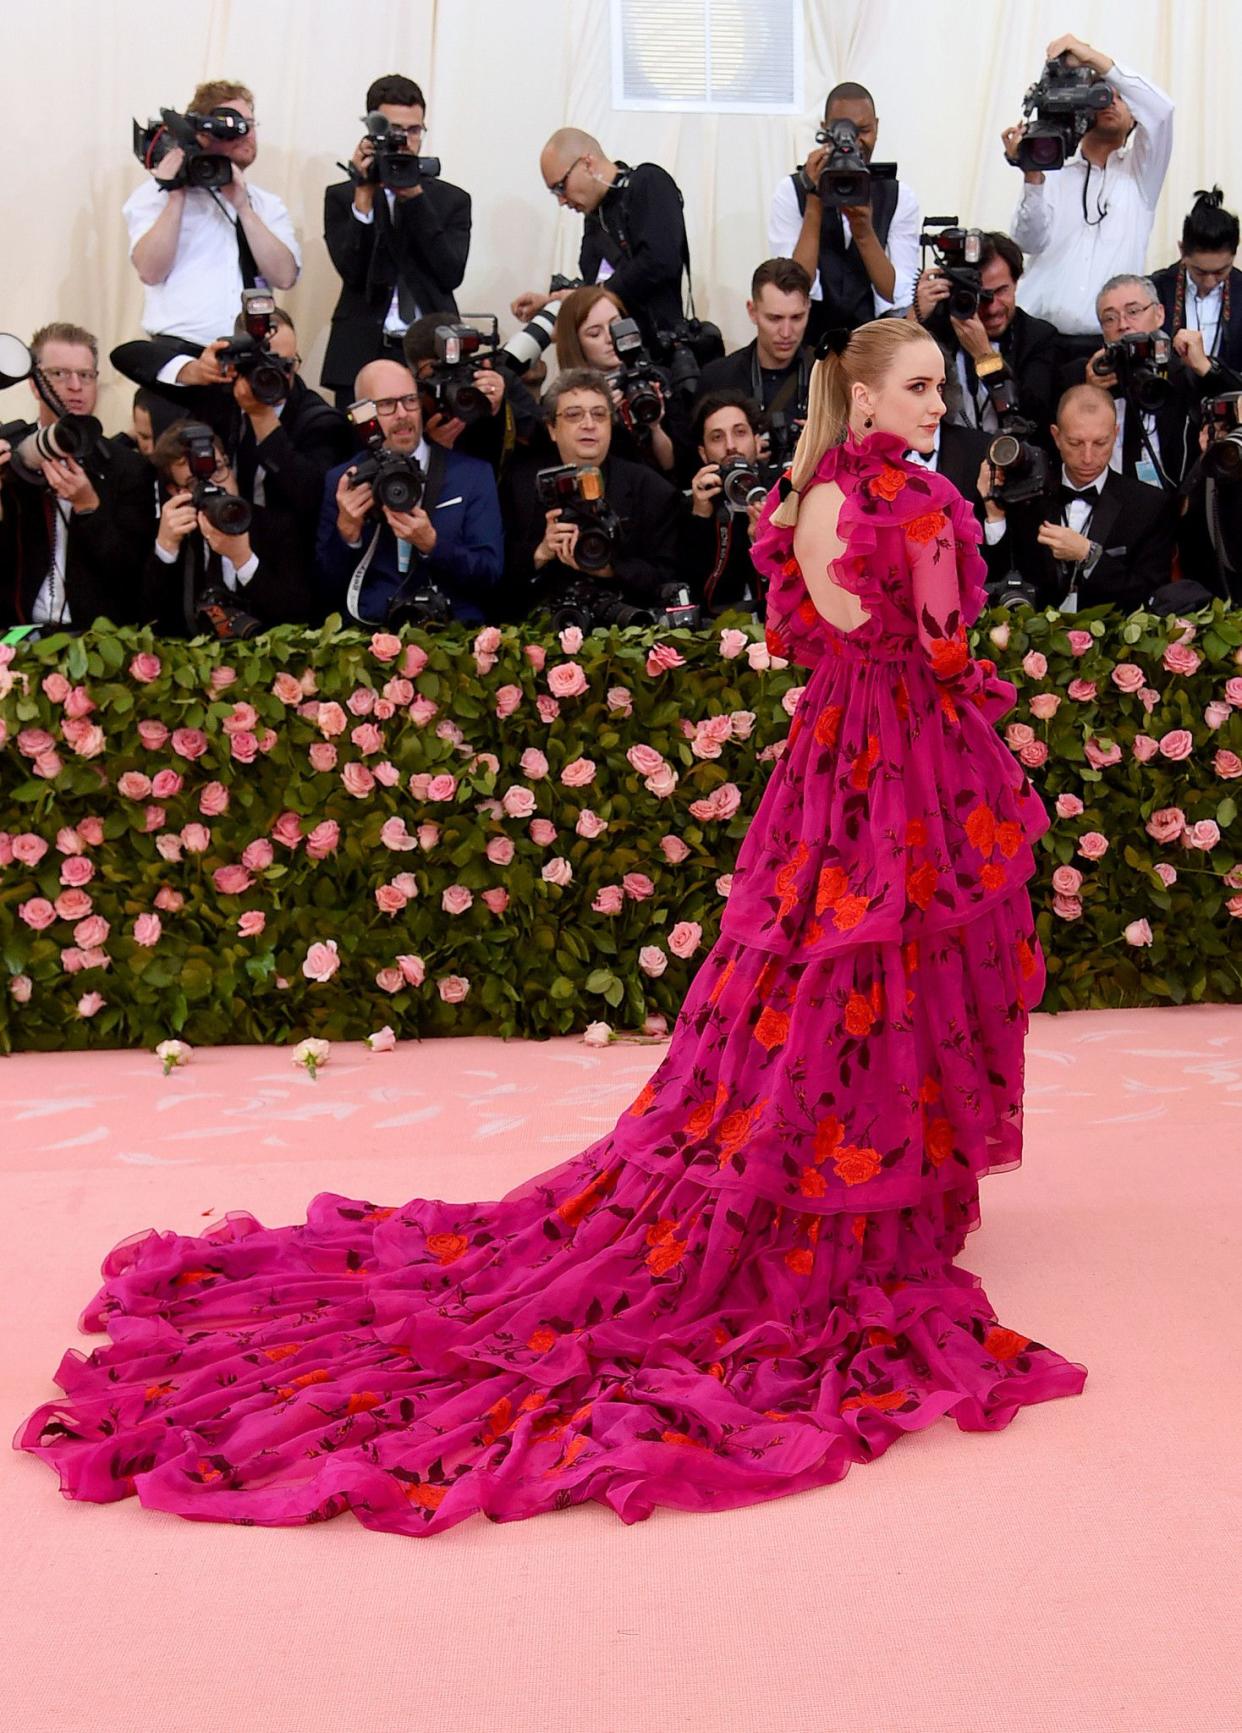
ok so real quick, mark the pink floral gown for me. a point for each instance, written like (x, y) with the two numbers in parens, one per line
(748, 1284)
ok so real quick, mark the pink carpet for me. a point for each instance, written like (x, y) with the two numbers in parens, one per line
(1075, 1571)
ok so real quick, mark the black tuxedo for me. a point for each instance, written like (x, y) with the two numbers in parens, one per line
(105, 547)
(423, 243)
(648, 507)
(282, 588)
(1229, 345)
(1133, 523)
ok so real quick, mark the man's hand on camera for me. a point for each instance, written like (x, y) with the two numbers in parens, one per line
(1189, 345)
(262, 416)
(169, 166)
(353, 503)
(933, 286)
(704, 490)
(527, 305)
(492, 385)
(1081, 53)
(1107, 378)
(68, 480)
(559, 541)
(205, 369)
(753, 513)
(444, 430)
(177, 519)
(414, 527)
(972, 337)
(988, 485)
(1065, 543)
(1011, 138)
(859, 219)
(235, 548)
(813, 167)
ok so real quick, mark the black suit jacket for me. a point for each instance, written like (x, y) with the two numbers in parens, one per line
(282, 588)
(1029, 348)
(424, 241)
(640, 230)
(1229, 349)
(105, 549)
(1134, 524)
(1177, 421)
(736, 372)
(648, 507)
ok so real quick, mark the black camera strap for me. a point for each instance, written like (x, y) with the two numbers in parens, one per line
(431, 495)
(797, 380)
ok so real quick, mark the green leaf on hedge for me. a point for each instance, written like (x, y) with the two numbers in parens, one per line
(1227, 811)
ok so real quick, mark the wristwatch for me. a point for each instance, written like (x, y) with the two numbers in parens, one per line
(989, 365)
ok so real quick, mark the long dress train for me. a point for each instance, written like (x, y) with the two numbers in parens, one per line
(749, 1283)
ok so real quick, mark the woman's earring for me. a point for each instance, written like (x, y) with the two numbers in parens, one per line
(867, 422)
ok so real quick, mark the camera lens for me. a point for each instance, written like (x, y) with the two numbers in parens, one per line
(593, 549)
(399, 490)
(226, 512)
(269, 383)
(1004, 450)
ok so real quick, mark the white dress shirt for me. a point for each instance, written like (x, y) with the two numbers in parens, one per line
(201, 295)
(1069, 259)
(51, 605)
(902, 246)
(235, 577)
(394, 324)
(1147, 464)
(1203, 312)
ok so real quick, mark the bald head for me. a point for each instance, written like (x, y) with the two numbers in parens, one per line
(386, 383)
(1085, 432)
(383, 379)
(574, 166)
(1085, 400)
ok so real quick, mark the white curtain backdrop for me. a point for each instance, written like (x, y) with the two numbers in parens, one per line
(499, 77)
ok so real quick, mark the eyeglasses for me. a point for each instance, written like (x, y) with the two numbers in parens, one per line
(1108, 320)
(557, 188)
(576, 413)
(62, 375)
(388, 405)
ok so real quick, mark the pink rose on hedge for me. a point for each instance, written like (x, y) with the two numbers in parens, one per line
(322, 756)
(144, 668)
(732, 643)
(422, 710)
(1234, 907)
(147, 930)
(1068, 908)
(367, 738)
(166, 784)
(231, 881)
(566, 680)
(91, 831)
(789, 703)
(1204, 834)
(548, 708)
(189, 742)
(153, 818)
(542, 832)
(322, 961)
(500, 850)
(1227, 764)
(645, 759)
(28, 848)
(195, 837)
(428, 836)
(357, 780)
(453, 988)
(1128, 677)
(662, 657)
(1145, 748)
(1177, 744)
(1067, 881)
(637, 886)
(533, 764)
(6, 848)
(724, 884)
(1216, 714)
(413, 970)
(361, 701)
(331, 719)
(571, 640)
(536, 655)
(259, 855)
(133, 785)
(590, 824)
(1080, 642)
(287, 830)
(619, 699)
(442, 787)
(1102, 753)
(413, 661)
(241, 718)
(385, 646)
(1082, 691)
(32, 741)
(1093, 845)
(1233, 686)
(727, 799)
(86, 739)
(1181, 659)
(90, 1003)
(673, 849)
(243, 748)
(168, 846)
(222, 677)
(609, 900)
(1044, 706)
(684, 939)
(1165, 873)
(386, 774)
(48, 765)
(252, 923)
(21, 987)
(1018, 735)
(407, 884)
(398, 691)
(1149, 699)
(1034, 665)
(76, 870)
(497, 899)
(91, 932)
(213, 800)
(37, 913)
(55, 687)
(389, 900)
(508, 698)
(456, 899)
(1138, 933)
(72, 959)
(578, 773)
(652, 960)
(395, 836)
(389, 980)
(67, 842)
(420, 782)
(171, 901)
(557, 871)
(518, 802)
(153, 734)
(73, 905)
(287, 689)
(1167, 824)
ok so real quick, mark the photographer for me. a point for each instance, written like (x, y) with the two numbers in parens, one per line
(400, 250)
(371, 555)
(584, 338)
(1097, 537)
(1092, 218)
(73, 529)
(196, 248)
(774, 369)
(717, 531)
(1209, 532)
(219, 566)
(862, 259)
(1203, 291)
(1026, 346)
(507, 418)
(634, 236)
(541, 547)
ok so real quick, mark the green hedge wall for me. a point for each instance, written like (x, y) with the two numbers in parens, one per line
(290, 837)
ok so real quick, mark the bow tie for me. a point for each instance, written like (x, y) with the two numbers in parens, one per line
(1088, 495)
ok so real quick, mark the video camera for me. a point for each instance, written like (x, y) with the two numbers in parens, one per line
(250, 352)
(1222, 417)
(847, 178)
(392, 164)
(449, 388)
(640, 383)
(227, 512)
(396, 477)
(1140, 361)
(1065, 101)
(201, 168)
(957, 252)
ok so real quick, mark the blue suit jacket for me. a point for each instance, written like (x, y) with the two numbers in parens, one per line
(466, 563)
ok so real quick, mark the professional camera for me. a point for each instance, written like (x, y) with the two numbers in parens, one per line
(72, 436)
(250, 352)
(1013, 591)
(847, 178)
(525, 347)
(578, 493)
(687, 348)
(1140, 360)
(1028, 474)
(224, 511)
(784, 432)
(588, 607)
(1065, 102)
(741, 485)
(201, 168)
(219, 616)
(396, 477)
(417, 604)
(1222, 417)
(449, 388)
(392, 165)
(640, 384)
(957, 252)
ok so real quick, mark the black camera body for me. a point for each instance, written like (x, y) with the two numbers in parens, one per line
(686, 348)
(392, 165)
(1140, 361)
(784, 431)
(418, 604)
(577, 491)
(250, 353)
(71, 436)
(741, 485)
(450, 389)
(957, 253)
(224, 511)
(640, 383)
(590, 608)
(1014, 448)
(201, 168)
(396, 477)
(1222, 416)
(1065, 102)
(847, 178)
